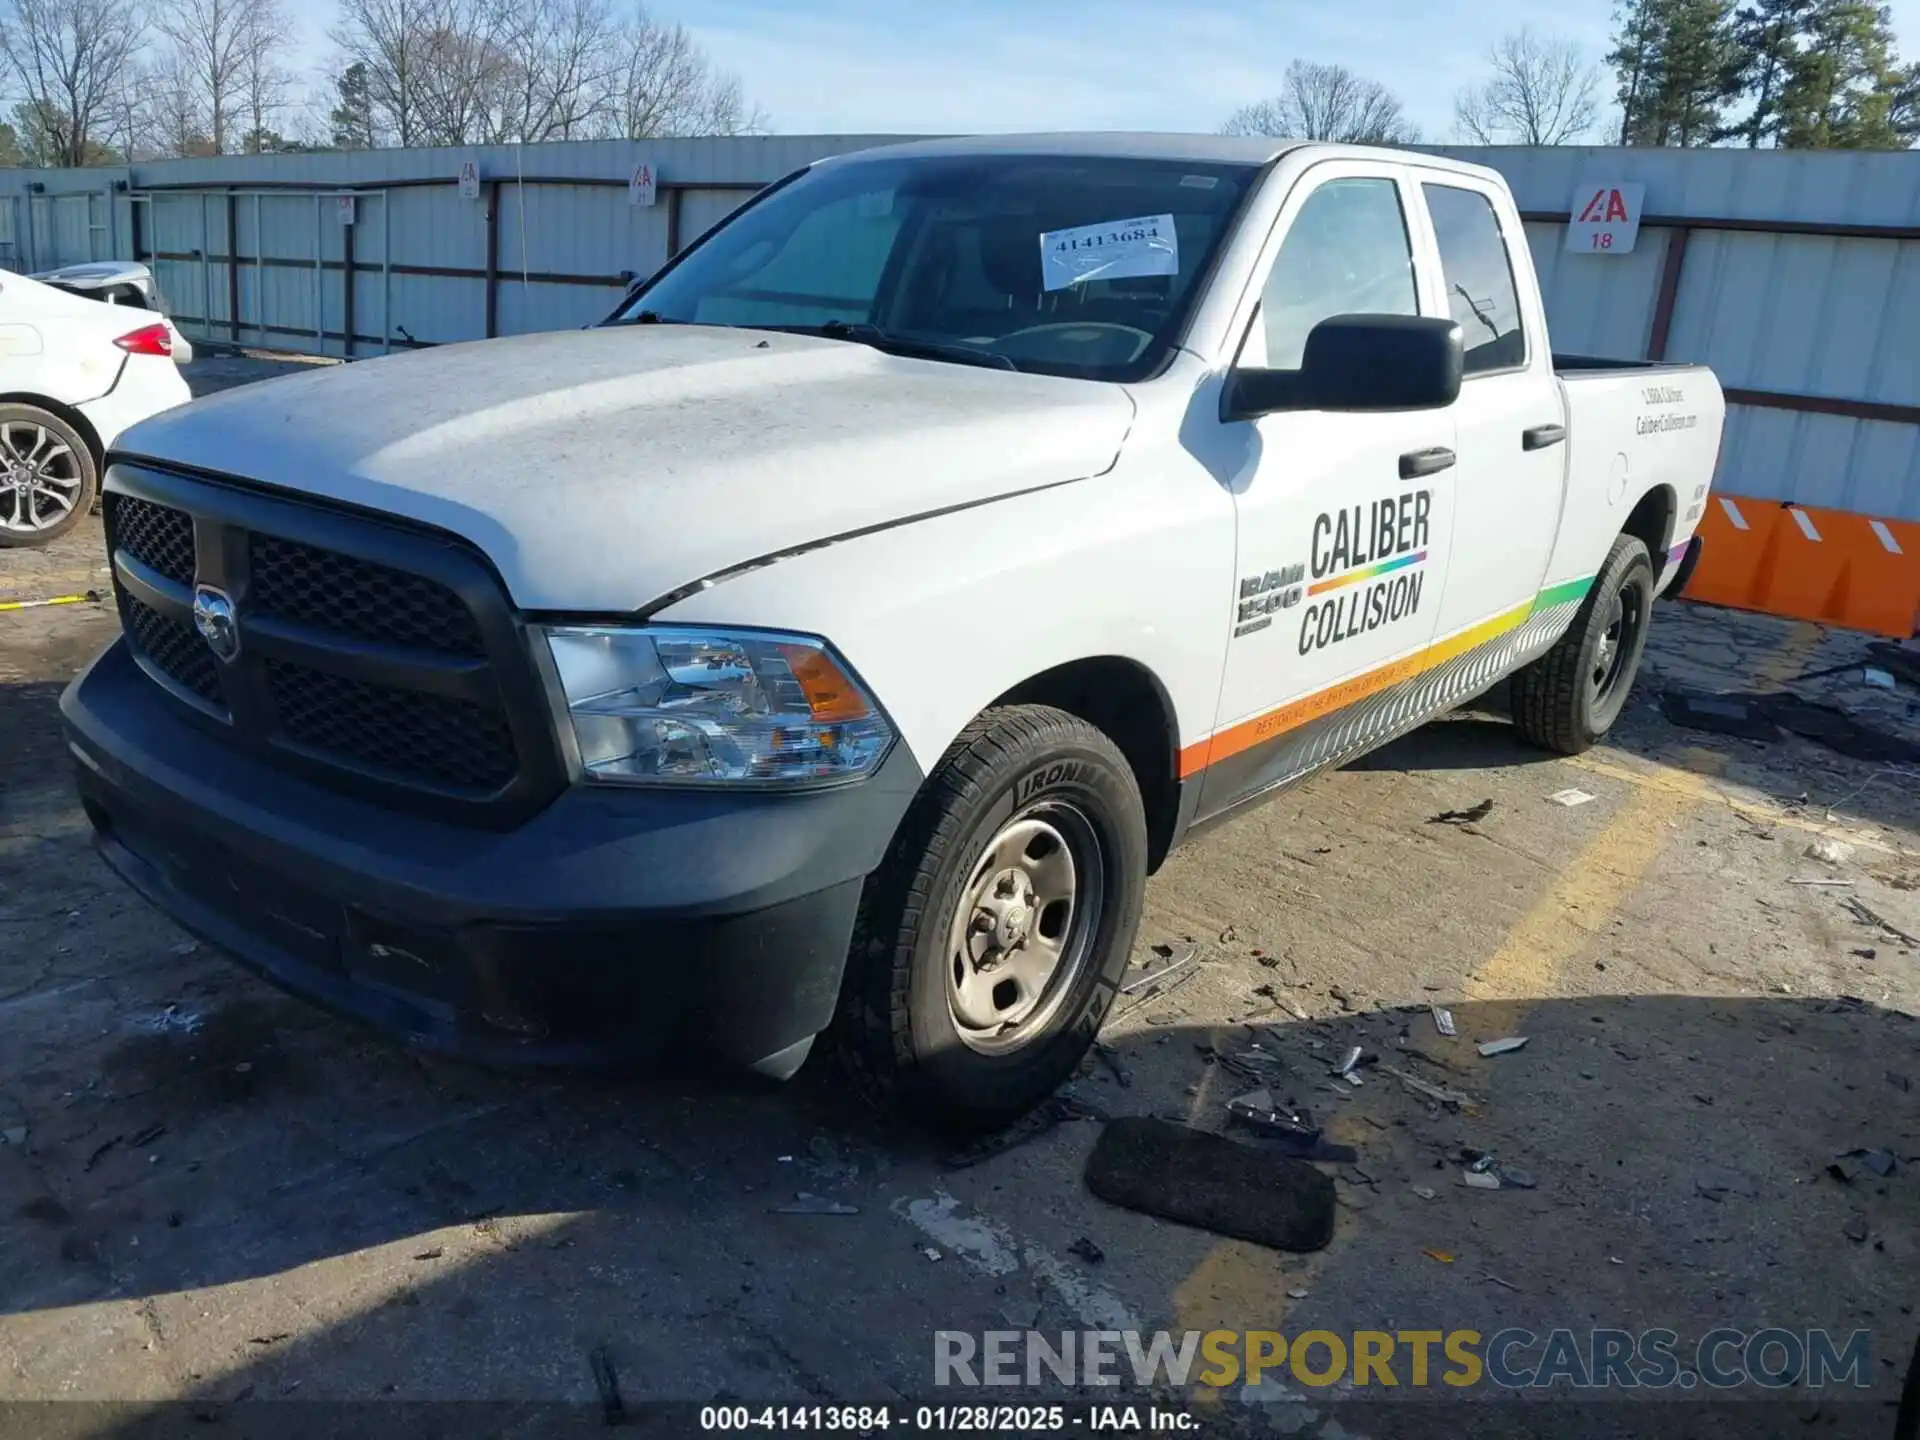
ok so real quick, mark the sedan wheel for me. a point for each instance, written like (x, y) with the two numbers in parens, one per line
(47, 476)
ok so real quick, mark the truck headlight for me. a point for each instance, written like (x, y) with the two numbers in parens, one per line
(678, 706)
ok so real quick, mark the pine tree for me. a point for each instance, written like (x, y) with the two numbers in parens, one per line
(1844, 89)
(1678, 66)
(1767, 35)
(352, 118)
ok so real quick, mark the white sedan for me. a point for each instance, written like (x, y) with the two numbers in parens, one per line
(75, 373)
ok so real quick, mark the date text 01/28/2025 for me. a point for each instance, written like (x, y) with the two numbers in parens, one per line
(947, 1419)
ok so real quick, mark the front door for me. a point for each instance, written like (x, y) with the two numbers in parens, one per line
(1344, 519)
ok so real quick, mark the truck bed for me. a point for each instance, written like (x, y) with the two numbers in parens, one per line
(1572, 367)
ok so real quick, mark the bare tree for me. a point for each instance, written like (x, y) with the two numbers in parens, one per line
(1542, 92)
(266, 84)
(666, 85)
(65, 59)
(1326, 102)
(210, 45)
(392, 42)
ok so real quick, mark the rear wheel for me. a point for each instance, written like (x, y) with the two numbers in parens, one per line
(991, 941)
(1571, 696)
(48, 476)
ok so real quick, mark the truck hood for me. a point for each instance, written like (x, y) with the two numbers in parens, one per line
(602, 469)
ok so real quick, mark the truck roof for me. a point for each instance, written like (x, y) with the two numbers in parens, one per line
(1143, 145)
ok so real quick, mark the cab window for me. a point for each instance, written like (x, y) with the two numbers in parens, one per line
(1478, 274)
(1346, 253)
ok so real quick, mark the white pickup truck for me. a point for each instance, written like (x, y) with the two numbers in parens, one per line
(840, 634)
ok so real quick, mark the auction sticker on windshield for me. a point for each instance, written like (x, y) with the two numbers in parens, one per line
(1117, 250)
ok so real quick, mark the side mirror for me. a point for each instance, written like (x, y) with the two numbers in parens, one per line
(1359, 362)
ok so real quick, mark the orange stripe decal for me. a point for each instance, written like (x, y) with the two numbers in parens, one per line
(1295, 713)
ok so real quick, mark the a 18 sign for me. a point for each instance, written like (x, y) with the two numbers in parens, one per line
(1605, 218)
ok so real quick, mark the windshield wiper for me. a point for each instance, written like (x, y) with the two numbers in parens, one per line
(893, 344)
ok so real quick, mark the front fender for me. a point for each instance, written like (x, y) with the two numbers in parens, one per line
(942, 616)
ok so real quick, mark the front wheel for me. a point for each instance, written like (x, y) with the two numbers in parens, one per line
(991, 941)
(48, 477)
(1570, 697)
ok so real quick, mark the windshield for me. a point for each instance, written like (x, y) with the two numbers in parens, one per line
(1063, 265)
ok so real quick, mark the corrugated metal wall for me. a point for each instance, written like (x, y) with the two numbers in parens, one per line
(1796, 275)
(1795, 317)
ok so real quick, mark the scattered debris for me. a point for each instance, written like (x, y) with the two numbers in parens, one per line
(805, 1203)
(434, 1254)
(1868, 916)
(932, 1253)
(613, 1409)
(185, 948)
(1877, 678)
(1426, 1192)
(1899, 1082)
(1420, 1087)
(1830, 884)
(1485, 1173)
(1442, 1256)
(1178, 962)
(1111, 1059)
(1344, 1000)
(1481, 1179)
(1443, 1021)
(1463, 817)
(1347, 1066)
(100, 1152)
(1489, 1275)
(1732, 715)
(1087, 1251)
(1855, 1229)
(1503, 1047)
(1293, 1130)
(1865, 953)
(1298, 1294)
(1715, 1193)
(17, 1135)
(1829, 852)
(1179, 1173)
(173, 1019)
(1881, 1162)
(1229, 935)
(146, 1137)
(1570, 798)
(263, 1341)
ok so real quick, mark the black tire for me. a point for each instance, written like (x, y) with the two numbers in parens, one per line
(1570, 697)
(83, 469)
(897, 1022)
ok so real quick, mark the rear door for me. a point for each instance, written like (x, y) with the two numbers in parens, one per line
(1341, 535)
(1510, 430)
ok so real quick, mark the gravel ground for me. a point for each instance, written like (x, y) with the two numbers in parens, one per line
(224, 1194)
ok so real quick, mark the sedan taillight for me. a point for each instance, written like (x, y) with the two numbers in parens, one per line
(147, 340)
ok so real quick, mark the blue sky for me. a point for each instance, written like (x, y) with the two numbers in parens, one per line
(871, 66)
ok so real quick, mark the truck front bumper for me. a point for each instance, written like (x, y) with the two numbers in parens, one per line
(610, 923)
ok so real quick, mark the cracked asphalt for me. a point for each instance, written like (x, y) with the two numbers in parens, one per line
(216, 1195)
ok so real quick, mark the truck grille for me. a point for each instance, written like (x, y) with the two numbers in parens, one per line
(376, 673)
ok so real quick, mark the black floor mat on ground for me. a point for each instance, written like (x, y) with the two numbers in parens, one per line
(1207, 1180)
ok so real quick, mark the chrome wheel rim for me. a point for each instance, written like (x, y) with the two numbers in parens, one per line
(1022, 933)
(40, 479)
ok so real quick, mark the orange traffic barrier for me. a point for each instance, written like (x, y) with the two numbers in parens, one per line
(1806, 563)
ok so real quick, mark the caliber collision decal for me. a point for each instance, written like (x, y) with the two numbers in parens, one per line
(1539, 622)
(1379, 546)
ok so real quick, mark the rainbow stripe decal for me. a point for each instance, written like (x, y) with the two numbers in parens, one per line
(1366, 572)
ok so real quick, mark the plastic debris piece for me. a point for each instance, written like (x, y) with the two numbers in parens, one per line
(1087, 1251)
(1462, 817)
(1503, 1047)
(146, 1137)
(1297, 1294)
(1347, 1066)
(1879, 679)
(932, 1253)
(1508, 1284)
(1481, 1179)
(1856, 1229)
(1443, 1021)
(1571, 797)
(1426, 1192)
(806, 1204)
(1827, 884)
(1433, 1092)
(1829, 852)
(1179, 962)
(1442, 1256)
(1881, 1162)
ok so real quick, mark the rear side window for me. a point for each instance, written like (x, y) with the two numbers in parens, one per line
(1346, 253)
(1478, 274)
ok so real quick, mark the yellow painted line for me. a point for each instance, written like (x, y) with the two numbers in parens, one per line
(90, 596)
(1581, 902)
(1791, 655)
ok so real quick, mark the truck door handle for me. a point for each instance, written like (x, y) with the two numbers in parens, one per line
(1416, 463)
(1541, 436)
